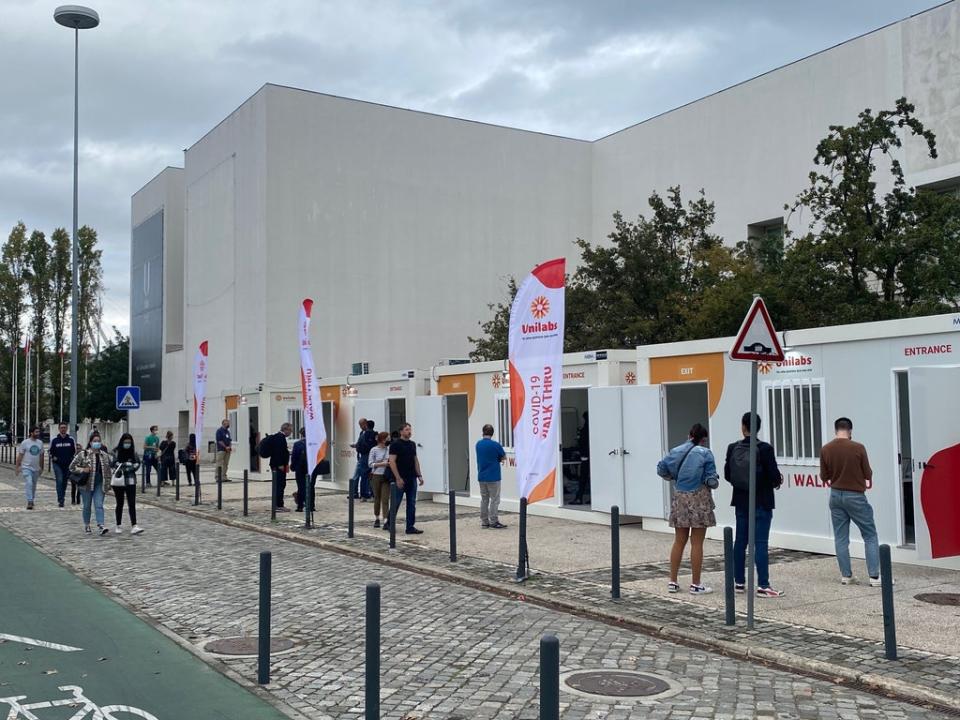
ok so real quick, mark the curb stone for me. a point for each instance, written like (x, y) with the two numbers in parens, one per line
(874, 682)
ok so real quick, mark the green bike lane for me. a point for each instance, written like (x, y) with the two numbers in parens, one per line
(121, 660)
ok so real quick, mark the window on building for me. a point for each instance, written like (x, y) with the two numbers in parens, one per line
(795, 420)
(766, 240)
(504, 421)
(360, 368)
(295, 418)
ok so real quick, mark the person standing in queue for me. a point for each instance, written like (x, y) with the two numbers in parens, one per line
(89, 466)
(151, 446)
(298, 463)
(124, 482)
(168, 459)
(694, 471)
(405, 467)
(191, 462)
(62, 449)
(490, 456)
(224, 449)
(378, 461)
(279, 455)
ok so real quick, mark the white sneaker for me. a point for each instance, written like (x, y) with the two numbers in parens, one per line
(878, 582)
(119, 530)
(136, 530)
(848, 580)
(700, 590)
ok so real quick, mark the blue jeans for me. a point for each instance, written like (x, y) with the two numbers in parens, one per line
(846, 505)
(361, 478)
(30, 479)
(93, 493)
(761, 549)
(150, 463)
(61, 474)
(410, 492)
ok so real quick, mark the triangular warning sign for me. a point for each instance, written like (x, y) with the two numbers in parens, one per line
(757, 340)
(127, 401)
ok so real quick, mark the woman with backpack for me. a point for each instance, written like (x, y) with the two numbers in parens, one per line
(124, 482)
(693, 470)
(89, 467)
(168, 459)
(189, 457)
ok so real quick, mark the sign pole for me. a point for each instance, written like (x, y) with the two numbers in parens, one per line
(752, 503)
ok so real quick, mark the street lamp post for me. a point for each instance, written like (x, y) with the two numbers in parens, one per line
(79, 18)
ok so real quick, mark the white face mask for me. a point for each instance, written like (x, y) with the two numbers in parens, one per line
(127, 446)
(95, 444)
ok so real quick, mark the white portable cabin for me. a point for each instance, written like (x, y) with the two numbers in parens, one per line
(897, 380)
(466, 397)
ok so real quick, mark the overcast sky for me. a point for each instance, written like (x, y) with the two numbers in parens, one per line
(155, 76)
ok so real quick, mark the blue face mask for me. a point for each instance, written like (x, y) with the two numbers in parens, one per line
(95, 444)
(127, 446)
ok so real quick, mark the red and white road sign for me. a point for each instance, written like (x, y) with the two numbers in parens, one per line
(757, 340)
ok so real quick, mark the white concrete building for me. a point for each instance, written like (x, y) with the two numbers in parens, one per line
(403, 225)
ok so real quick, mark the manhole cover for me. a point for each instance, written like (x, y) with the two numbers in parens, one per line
(939, 598)
(245, 645)
(617, 683)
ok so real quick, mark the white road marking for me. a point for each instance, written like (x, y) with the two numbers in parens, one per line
(39, 643)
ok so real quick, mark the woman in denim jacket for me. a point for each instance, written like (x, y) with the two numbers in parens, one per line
(694, 471)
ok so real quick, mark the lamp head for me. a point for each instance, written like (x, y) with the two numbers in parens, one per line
(77, 17)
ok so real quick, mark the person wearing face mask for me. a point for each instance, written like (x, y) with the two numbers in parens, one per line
(124, 482)
(88, 467)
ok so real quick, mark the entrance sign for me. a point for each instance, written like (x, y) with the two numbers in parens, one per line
(312, 408)
(757, 340)
(536, 371)
(199, 393)
(128, 397)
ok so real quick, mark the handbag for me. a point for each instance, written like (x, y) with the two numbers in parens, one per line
(80, 479)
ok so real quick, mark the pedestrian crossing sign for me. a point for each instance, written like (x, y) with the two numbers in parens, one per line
(128, 397)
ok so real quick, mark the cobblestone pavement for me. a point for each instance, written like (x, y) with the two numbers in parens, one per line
(449, 651)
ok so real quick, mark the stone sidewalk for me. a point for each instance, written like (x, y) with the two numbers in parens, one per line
(449, 651)
(845, 646)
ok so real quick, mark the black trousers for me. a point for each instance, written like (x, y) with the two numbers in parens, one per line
(280, 484)
(130, 493)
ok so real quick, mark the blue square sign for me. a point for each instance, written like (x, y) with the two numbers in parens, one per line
(128, 397)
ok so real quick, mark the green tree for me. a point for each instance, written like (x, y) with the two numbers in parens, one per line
(104, 373)
(91, 287)
(493, 344)
(60, 289)
(870, 255)
(12, 303)
(37, 277)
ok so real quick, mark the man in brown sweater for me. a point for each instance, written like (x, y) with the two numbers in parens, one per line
(844, 465)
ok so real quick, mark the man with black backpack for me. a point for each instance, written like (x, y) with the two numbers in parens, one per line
(275, 448)
(736, 471)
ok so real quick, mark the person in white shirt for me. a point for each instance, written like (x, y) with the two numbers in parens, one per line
(30, 463)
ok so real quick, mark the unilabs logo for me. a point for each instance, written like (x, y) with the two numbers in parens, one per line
(791, 363)
(539, 308)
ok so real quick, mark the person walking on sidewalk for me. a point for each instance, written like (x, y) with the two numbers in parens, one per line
(490, 456)
(224, 449)
(844, 465)
(736, 471)
(62, 449)
(124, 482)
(279, 455)
(168, 459)
(151, 446)
(694, 471)
(377, 460)
(89, 466)
(405, 467)
(30, 463)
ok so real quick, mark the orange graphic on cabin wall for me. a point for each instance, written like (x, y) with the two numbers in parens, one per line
(688, 368)
(459, 385)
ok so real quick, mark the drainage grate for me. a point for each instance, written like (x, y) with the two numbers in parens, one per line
(245, 645)
(617, 683)
(939, 598)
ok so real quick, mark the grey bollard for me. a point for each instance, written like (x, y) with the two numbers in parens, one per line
(453, 526)
(615, 552)
(350, 510)
(246, 492)
(394, 503)
(372, 648)
(176, 480)
(729, 601)
(273, 494)
(263, 637)
(196, 489)
(219, 488)
(549, 678)
(886, 593)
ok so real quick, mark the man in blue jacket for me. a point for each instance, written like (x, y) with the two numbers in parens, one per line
(62, 450)
(736, 471)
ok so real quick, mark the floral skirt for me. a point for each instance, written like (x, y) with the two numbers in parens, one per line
(692, 509)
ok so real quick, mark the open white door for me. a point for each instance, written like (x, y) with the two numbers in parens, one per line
(935, 437)
(646, 493)
(430, 434)
(331, 429)
(606, 448)
(372, 409)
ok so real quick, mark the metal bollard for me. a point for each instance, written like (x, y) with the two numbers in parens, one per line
(372, 684)
(353, 487)
(308, 505)
(394, 502)
(453, 526)
(158, 482)
(246, 491)
(196, 488)
(263, 637)
(729, 602)
(219, 488)
(273, 494)
(615, 552)
(549, 678)
(176, 472)
(886, 593)
(522, 544)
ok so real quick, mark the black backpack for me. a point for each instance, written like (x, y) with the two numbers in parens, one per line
(367, 441)
(740, 466)
(263, 449)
